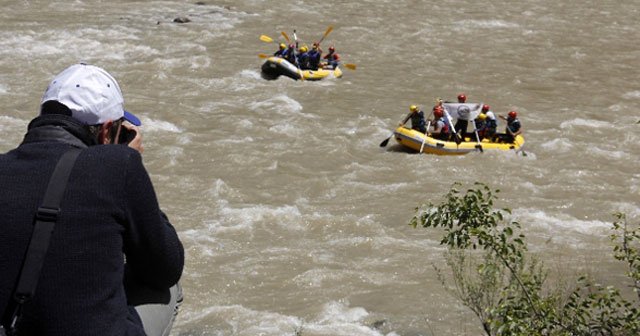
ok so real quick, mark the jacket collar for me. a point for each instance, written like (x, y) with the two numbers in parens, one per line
(59, 128)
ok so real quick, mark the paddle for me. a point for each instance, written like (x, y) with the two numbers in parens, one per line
(425, 136)
(426, 132)
(514, 140)
(457, 138)
(386, 141)
(350, 66)
(264, 55)
(475, 130)
(295, 37)
(325, 34)
(286, 37)
(265, 38)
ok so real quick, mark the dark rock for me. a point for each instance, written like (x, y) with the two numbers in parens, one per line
(181, 20)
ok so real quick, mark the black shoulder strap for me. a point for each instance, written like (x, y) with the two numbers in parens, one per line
(45, 220)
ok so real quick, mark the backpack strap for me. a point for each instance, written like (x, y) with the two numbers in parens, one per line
(45, 220)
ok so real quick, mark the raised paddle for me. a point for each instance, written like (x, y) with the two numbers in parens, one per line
(286, 37)
(295, 37)
(265, 38)
(325, 34)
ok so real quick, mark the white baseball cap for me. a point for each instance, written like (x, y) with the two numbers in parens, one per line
(91, 93)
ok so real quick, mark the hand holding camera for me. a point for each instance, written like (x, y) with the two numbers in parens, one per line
(129, 134)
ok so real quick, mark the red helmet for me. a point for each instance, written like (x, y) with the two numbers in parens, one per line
(513, 114)
(462, 98)
(332, 49)
(485, 108)
(438, 111)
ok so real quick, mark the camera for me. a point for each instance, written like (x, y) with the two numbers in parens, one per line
(126, 136)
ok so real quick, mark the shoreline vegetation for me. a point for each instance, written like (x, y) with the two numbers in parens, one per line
(491, 271)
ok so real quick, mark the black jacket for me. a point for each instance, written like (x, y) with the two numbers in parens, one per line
(109, 213)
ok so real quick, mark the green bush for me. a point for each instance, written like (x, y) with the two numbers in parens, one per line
(506, 287)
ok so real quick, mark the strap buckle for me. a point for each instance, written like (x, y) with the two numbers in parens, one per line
(47, 214)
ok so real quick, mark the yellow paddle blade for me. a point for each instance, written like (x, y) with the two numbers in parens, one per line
(326, 33)
(265, 38)
(286, 37)
(263, 56)
(329, 30)
(350, 66)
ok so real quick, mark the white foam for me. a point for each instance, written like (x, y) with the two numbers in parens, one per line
(560, 224)
(473, 25)
(590, 123)
(245, 219)
(610, 153)
(242, 320)
(632, 95)
(152, 125)
(281, 104)
(559, 145)
(251, 74)
(288, 129)
(235, 140)
(8, 123)
(335, 319)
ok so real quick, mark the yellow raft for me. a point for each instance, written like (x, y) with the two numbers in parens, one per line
(274, 67)
(413, 139)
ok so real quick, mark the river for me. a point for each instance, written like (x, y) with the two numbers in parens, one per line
(292, 217)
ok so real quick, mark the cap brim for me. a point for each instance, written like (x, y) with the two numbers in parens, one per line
(128, 116)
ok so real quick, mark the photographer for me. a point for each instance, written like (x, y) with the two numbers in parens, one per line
(113, 259)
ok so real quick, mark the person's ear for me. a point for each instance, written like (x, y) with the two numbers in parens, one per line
(104, 135)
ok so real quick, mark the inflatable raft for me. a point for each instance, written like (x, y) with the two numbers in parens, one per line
(413, 139)
(275, 67)
(465, 111)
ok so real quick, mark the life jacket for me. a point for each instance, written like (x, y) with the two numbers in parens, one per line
(417, 121)
(303, 60)
(314, 59)
(290, 56)
(332, 57)
(514, 125)
(491, 125)
(444, 131)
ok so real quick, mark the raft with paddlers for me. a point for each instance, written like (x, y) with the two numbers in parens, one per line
(275, 67)
(417, 140)
(292, 63)
(454, 143)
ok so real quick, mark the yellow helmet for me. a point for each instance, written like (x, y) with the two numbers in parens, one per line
(283, 46)
(303, 49)
(413, 108)
(482, 116)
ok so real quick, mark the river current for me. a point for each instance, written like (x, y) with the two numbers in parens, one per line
(292, 217)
